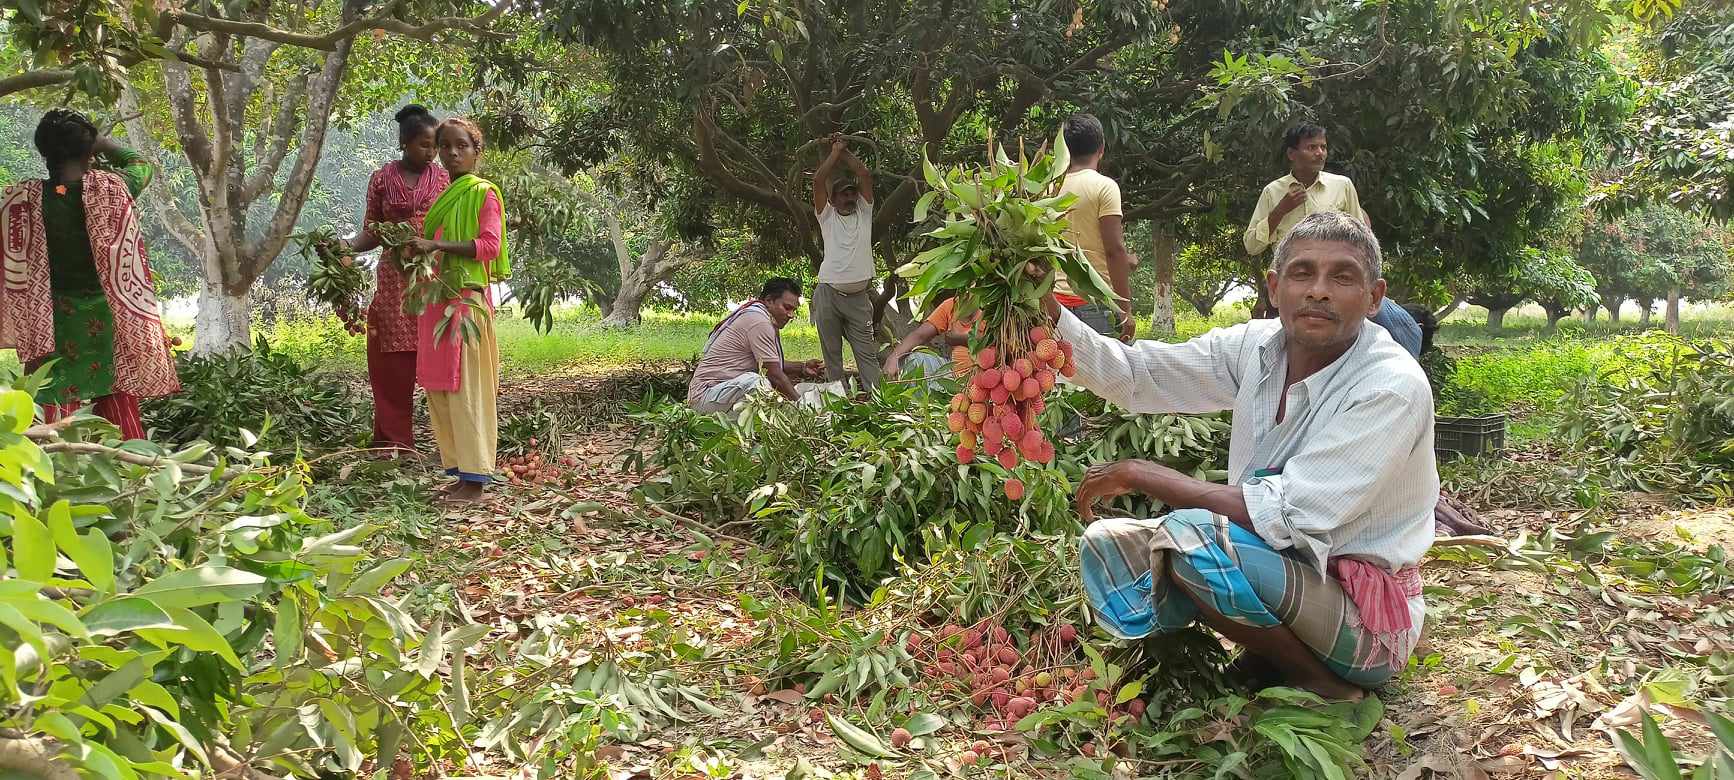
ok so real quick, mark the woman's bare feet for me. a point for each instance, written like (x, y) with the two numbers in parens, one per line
(464, 493)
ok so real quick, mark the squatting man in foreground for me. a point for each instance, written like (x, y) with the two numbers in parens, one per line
(1308, 557)
(744, 344)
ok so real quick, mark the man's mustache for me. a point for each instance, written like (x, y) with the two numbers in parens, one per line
(1317, 312)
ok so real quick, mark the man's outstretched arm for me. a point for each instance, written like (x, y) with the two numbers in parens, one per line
(863, 176)
(822, 176)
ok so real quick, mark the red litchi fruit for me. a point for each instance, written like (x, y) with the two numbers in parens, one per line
(1011, 379)
(1008, 656)
(1014, 488)
(900, 738)
(1068, 634)
(988, 379)
(967, 758)
(1024, 367)
(1008, 458)
(965, 455)
(977, 412)
(976, 394)
(955, 421)
(1046, 349)
(1032, 387)
(999, 396)
(1038, 334)
(1045, 379)
(1068, 370)
(987, 357)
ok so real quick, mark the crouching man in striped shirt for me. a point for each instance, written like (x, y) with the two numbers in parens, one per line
(1308, 557)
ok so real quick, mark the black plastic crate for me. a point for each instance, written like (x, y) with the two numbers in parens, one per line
(1469, 436)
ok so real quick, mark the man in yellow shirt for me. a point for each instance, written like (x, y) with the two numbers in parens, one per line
(1309, 189)
(1095, 225)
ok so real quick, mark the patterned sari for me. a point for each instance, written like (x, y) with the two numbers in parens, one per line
(124, 319)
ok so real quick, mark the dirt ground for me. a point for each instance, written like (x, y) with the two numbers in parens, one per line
(1537, 647)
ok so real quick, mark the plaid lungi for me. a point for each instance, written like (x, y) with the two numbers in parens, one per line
(1130, 569)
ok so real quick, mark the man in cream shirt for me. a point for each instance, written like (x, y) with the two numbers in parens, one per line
(1096, 225)
(1309, 189)
(842, 304)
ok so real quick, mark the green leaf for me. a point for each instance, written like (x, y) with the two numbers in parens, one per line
(923, 204)
(203, 585)
(371, 581)
(862, 741)
(32, 547)
(124, 614)
(92, 552)
(433, 650)
(118, 682)
(286, 632)
(17, 404)
(1128, 692)
(923, 724)
(59, 727)
(180, 733)
(342, 722)
(192, 632)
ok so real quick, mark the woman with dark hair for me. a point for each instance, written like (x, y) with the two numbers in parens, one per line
(466, 227)
(400, 191)
(78, 289)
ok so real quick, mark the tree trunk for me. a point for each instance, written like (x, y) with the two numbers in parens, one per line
(213, 128)
(1496, 318)
(639, 279)
(1589, 314)
(1612, 304)
(221, 324)
(1162, 251)
(1671, 320)
(1203, 306)
(1555, 313)
(1646, 312)
(1456, 303)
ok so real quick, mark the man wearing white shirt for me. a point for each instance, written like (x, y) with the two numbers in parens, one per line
(842, 303)
(1308, 557)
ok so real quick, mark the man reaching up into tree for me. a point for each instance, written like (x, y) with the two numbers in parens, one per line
(745, 343)
(1310, 189)
(1308, 557)
(842, 305)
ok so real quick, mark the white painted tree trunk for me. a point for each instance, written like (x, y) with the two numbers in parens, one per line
(1672, 319)
(222, 323)
(1162, 249)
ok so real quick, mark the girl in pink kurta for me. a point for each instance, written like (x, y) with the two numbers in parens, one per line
(400, 191)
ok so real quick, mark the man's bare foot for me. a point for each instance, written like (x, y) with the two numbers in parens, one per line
(1333, 689)
(1254, 671)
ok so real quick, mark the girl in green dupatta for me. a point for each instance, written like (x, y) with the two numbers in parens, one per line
(465, 226)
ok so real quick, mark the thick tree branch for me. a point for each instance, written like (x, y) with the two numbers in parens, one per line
(337, 37)
(274, 142)
(321, 92)
(160, 198)
(708, 161)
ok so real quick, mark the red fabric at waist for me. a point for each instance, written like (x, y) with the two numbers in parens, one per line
(1069, 301)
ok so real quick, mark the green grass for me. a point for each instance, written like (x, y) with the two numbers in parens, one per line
(577, 342)
(1469, 326)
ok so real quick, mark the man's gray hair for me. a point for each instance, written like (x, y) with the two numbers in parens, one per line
(1333, 226)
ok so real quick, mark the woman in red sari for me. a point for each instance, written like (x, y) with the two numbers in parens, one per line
(400, 191)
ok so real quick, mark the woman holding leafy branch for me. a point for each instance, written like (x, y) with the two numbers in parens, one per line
(457, 360)
(400, 192)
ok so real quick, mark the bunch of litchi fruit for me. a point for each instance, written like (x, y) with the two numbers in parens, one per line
(995, 413)
(1007, 679)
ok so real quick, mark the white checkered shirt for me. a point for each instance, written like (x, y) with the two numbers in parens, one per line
(1350, 469)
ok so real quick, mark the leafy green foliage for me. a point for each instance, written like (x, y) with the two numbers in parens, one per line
(1666, 423)
(189, 614)
(851, 488)
(1653, 756)
(1002, 241)
(235, 397)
